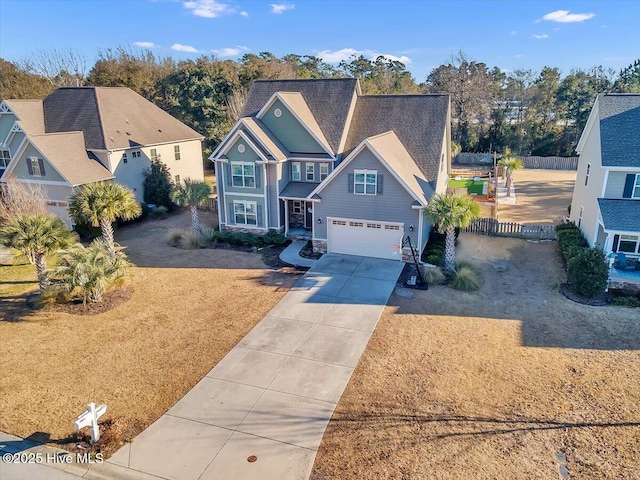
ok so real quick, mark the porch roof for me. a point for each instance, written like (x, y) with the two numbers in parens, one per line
(620, 214)
(298, 190)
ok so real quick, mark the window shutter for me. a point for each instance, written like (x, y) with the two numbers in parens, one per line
(380, 180)
(258, 172)
(227, 173)
(628, 185)
(231, 215)
(41, 163)
(350, 186)
(29, 167)
(259, 213)
(616, 242)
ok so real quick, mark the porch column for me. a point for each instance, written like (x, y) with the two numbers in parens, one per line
(286, 217)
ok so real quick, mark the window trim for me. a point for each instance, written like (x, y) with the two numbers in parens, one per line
(580, 216)
(306, 172)
(636, 186)
(244, 204)
(243, 176)
(586, 177)
(298, 206)
(629, 240)
(293, 177)
(326, 174)
(365, 183)
(5, 161)
(153, 154)
(35, 164)
(176, 152)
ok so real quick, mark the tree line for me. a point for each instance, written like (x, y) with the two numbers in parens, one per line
(530, 112)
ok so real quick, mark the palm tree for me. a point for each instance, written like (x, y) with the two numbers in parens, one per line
(510, 163)
(88, 272)
(102, 203)
(192, 194)
(450, 211)
(36, 236)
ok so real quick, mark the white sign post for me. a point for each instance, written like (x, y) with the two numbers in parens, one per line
(89, 418)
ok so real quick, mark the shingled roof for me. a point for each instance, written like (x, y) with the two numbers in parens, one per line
(328, 99)
(620, 214)
(619, 116)
(29, 113)
(112, 118)
(419, 121)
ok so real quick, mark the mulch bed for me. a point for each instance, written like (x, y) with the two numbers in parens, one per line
(114, 433)
(110, 300)
(599, 301)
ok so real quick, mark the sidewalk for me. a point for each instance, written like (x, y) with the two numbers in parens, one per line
(291, 255)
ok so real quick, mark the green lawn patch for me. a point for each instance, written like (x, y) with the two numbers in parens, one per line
(473, 186)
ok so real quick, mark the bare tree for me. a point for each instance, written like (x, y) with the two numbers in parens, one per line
(235, 104)
(60, 68)
(17, 198)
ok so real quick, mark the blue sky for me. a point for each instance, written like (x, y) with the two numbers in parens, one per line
(423, 34)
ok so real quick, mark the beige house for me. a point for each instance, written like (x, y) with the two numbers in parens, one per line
(81, 135)
(606, 196)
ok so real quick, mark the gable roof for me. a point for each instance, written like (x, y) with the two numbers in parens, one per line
(619, 116)
(328, 99)
(30, 114)
(112, 118)
(620, 214)
(67, 154)
(419, 122)
(258, 130)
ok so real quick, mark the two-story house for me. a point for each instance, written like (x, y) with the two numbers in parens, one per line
(317, 159)
(80, 135)
(606, 196)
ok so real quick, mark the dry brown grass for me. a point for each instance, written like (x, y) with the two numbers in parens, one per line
(187, 310)
(492, 384)
(542, 196)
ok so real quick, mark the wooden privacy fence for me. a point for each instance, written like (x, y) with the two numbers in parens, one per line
(551, 163)
(210, 204)
(529, 231)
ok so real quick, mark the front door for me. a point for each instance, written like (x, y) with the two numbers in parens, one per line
(308, 215)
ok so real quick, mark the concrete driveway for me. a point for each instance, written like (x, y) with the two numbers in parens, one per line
(272, 395)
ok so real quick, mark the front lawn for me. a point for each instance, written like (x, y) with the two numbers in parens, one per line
(472, 186)
(492, 384)
(187, 310)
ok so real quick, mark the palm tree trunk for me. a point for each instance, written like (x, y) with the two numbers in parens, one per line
(508, 183)
(41, 266)
(195, 219)
(107, 234)
(450, 252)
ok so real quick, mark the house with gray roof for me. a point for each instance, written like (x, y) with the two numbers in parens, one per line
(81, 135)
(318, 160)
(606, 196)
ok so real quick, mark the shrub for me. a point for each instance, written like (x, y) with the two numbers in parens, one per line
(88, 272)
(467, 264)
(434, 259)
(627, 301)
(432, 275)
(157, 185)
(566, 226)
(570, 241)
(159, 212)
(190, 241)
(174, 237)
(273, 237)
(589, 272)
(209, 235)
(465, 279)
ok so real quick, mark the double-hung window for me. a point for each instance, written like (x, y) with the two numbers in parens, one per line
(636, 188)
(154, 154)
(246, 213)
(36, 171)
(324, 171)
(586, 177)
(5, 158)
(243, 174)
(176, 152)
(295, 171)
(309, 171)
(365, 182)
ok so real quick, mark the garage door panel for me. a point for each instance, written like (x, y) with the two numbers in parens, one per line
(366, 238)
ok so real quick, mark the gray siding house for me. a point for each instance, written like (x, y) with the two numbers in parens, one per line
(317, 159)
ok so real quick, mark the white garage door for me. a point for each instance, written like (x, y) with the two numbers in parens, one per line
(365, 237)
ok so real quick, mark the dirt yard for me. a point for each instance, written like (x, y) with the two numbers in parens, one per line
(186, 311)
(492, 384)
(542, 196)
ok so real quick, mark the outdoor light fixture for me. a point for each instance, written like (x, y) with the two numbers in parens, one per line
(319, 219)
(411, 228)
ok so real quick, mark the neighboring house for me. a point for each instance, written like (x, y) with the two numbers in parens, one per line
(606, 196)
(317, 159)
(82, 135)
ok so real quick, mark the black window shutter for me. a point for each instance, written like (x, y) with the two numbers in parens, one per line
(350, 186)
(41, 163)
(29, 166)
(227, 173)
(628, 185)
(258, 173)
(380, 181)
(616, 242)
(259, 213)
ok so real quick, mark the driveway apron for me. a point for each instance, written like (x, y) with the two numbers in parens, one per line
(262, 411)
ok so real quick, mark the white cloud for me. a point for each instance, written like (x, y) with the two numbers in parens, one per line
(244, 14)
(280, 8)
(540, 37)
(230, 52)
(514, 32)
(564, 16)
(518, 55)
(145, 44)
(178, 47)
(208, 8)
(345, 54)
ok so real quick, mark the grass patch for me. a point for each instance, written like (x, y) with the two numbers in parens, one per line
(17, 279)
(472, 186)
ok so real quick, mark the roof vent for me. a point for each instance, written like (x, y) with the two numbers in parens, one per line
(128, 133)
(160, 130)
(126, 120)
(111, 138)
